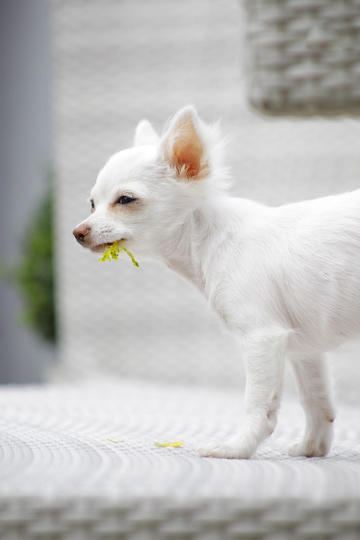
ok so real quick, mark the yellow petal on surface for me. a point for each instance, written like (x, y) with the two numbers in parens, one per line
(174, 444)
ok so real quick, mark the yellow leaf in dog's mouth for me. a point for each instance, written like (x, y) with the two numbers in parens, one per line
(113, 251)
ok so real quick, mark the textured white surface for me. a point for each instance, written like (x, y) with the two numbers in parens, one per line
(54, 442)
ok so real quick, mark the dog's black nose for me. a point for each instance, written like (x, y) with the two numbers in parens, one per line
(81, 232)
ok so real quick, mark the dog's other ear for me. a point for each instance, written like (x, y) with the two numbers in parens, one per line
(183, 145)
(145, 134)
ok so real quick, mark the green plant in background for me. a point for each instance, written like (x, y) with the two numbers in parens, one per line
(34, 273)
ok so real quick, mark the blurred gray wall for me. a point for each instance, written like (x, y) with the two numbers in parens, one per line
(25, 155)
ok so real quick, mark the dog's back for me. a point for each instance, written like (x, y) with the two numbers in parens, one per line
(321, 271)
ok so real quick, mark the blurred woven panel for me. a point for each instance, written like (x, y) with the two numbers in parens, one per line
(303, 56)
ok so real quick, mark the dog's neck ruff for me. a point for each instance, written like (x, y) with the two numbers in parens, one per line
(193, 248)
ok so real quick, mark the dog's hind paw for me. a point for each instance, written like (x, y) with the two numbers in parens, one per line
(309, 448)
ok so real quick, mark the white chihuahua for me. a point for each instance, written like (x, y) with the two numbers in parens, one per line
(285, 281)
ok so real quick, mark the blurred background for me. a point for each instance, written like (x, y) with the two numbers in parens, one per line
(26, 164)
(77, 76)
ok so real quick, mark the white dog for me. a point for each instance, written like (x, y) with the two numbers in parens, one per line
(285, 280)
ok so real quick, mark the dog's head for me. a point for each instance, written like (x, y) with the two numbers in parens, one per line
(144, 191)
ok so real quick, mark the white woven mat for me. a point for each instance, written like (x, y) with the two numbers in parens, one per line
(61, 440)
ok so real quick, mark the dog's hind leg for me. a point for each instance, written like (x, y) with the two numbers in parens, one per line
(264, 354)
(312, 380)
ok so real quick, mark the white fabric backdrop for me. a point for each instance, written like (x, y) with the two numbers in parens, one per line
(116, 62)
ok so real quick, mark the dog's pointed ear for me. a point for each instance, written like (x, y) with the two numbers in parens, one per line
(183, 145)
(145, 134)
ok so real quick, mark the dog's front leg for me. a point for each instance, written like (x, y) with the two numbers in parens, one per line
(264, 354)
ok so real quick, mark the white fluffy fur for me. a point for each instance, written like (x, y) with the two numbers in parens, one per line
(285, 280)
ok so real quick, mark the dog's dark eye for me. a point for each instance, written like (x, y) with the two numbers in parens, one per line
(92, 205)
(124, 199)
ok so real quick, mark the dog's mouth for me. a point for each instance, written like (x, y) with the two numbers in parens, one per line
(101, 247)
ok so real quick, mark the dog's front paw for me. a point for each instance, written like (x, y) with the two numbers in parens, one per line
(227, 450)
